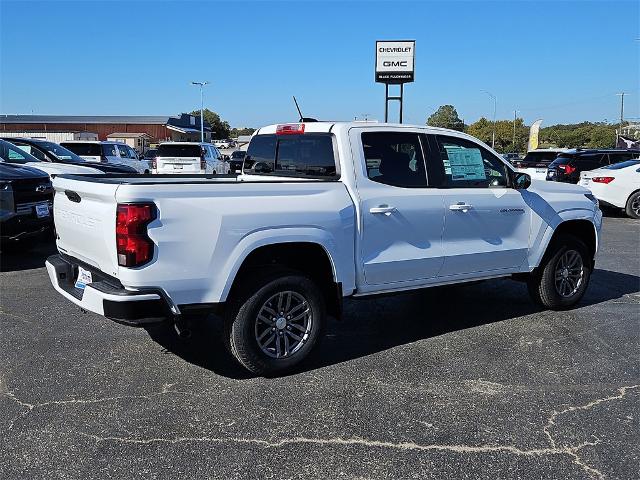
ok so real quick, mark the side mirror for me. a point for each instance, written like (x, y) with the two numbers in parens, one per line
(521, 181)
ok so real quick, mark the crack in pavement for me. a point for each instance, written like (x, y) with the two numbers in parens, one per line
(622, 391)
(348, 441)
(554, 449)
(30, 406)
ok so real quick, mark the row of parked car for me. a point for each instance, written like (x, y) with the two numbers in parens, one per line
(613, 175)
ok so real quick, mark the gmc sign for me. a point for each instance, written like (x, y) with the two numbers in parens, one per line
(395, 61)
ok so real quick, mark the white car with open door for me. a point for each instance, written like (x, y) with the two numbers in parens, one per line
(323, 211)
(616, 185)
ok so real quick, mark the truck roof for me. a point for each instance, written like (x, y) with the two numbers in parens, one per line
(326, 127)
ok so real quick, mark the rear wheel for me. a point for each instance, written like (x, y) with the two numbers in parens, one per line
(275, 324)
(563, 275)
(633, 205)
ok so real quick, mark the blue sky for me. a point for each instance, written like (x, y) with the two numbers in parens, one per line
(560, 61)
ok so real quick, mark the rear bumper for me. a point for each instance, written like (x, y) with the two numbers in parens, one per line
(107, 297)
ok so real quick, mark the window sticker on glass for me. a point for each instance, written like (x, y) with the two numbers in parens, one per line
(464, 163)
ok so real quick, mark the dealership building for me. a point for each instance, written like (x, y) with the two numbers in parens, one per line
(58, 128)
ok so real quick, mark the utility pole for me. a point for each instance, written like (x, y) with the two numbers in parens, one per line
(515, 112)
(201, 84)
(493, 135)
(621, 95)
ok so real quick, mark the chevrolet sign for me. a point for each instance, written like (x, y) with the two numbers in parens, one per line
(395, 61)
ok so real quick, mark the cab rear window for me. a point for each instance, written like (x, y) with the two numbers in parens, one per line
(306, 155)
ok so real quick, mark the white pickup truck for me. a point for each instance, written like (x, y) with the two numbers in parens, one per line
(322, 211)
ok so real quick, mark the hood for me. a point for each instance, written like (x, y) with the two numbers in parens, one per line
(60, 168)
(544, 186)
(10, 172)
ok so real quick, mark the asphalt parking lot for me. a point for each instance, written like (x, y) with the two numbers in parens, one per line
(458, 382)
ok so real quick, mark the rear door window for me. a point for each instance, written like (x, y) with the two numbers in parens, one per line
(310, 154)
(394, 158)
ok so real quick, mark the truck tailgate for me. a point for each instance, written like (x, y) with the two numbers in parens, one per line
(84, 213)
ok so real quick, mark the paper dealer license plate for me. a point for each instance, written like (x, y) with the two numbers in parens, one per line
(84, 278)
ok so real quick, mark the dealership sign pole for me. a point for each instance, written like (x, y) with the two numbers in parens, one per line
(395, 62)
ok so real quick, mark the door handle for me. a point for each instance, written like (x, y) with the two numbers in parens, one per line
(386, 209)
(460, 207)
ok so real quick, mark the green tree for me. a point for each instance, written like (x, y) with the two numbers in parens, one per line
(585, 134)
(446, 117)
(483, 130)
(236, 132)
(219, 127)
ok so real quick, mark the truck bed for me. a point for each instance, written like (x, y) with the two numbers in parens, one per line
(204, 227)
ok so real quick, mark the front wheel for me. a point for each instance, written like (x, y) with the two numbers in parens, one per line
(563, 275)
(633, 205)
(275, 324)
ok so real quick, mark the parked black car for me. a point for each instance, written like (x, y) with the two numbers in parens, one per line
(568, 165)
(236, 161)
(26, 202)
(47, 151)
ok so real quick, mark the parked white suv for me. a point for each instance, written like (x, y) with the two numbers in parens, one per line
(109, 152)
(222, 143)
(322, 211)
(189, 158)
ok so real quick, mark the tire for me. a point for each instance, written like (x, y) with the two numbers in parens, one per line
(563, 275)
(267, 347)
(633, 205)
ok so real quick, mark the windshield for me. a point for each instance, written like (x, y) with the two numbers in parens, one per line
(238, 154)
(618, 166)
(17, 155)
(60, 152)
(89, 149)
(150, 153)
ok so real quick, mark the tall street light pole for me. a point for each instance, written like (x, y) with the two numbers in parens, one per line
(493, 135)
(201, 84)
(621, 95)
(515, 113)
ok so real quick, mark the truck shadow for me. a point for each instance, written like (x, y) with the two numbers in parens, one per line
(380, 323)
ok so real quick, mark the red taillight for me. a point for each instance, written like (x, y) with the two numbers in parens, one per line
(134, 246)
(602, 179)
(290, 129)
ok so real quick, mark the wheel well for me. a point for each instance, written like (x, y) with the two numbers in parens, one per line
(305, 257)
(629, 197)
(582, 229)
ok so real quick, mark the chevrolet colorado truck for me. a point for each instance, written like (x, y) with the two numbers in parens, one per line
(321, 211)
